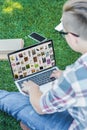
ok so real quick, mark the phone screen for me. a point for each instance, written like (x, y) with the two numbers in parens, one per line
(37, 37)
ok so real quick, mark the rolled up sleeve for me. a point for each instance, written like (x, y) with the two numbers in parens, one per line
(59, 98)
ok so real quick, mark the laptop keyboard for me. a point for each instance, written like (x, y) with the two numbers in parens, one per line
(39, 79)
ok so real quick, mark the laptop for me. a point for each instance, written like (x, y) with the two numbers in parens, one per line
(35, 63)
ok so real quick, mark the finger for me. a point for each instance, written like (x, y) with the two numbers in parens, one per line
(55, 71)
(52, 75)
(25, 90)
(25, 83)
(31, 83)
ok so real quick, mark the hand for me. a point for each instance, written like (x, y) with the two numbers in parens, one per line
(56, 73)
(35, 94)
(29, 87)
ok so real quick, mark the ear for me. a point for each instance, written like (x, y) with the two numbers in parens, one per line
(73, 39)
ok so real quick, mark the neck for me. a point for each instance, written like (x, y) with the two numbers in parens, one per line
(82, 46)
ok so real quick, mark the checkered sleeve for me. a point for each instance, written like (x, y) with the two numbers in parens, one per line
(60, 97)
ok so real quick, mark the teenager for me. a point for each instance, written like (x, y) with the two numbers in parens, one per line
(64, 107)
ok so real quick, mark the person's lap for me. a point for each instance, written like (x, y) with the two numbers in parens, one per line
(18, 105)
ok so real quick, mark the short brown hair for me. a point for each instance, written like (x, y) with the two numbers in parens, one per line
(75, 17)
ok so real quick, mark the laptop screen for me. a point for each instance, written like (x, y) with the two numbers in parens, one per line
(32, 59)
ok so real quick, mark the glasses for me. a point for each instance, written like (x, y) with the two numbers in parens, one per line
(66, 33)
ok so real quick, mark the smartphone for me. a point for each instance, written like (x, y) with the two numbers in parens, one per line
(37, 37)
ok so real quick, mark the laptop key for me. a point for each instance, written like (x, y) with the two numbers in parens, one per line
(40, 79)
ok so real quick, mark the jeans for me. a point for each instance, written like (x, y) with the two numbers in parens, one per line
(18, 106)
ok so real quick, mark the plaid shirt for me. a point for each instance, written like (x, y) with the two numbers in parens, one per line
(70, 93)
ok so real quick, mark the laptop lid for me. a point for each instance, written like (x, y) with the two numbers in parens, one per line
(32, 59)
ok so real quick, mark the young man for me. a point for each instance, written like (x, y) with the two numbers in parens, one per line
(64, 107)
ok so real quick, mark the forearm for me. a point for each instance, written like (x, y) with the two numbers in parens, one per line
(34, 93)
(35, 101)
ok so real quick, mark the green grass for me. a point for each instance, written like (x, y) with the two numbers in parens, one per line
(18, 18)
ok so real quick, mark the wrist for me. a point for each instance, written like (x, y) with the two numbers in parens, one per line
(34, 90)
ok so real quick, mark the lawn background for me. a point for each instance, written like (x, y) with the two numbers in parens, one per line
(18, 18)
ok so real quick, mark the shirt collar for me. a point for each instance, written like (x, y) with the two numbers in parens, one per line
(83, 59)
